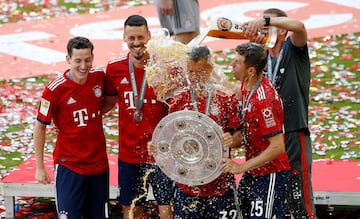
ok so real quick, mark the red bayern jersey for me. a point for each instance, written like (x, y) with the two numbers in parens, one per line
(264, 118)
(223, 112)
(76, 112)
(133, 135)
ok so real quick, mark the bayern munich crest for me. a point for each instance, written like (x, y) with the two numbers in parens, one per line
(97, 91)
(189, 148)
(224, 24)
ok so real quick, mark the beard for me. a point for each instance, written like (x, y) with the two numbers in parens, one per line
(137, 52)
(138, 55)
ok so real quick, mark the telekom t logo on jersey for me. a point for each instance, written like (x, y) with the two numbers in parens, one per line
(80, 116)
(130, 99)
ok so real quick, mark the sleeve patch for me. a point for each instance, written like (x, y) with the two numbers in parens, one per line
(268, 117)
(44, 106)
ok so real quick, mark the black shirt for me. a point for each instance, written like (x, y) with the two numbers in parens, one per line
(293, 83)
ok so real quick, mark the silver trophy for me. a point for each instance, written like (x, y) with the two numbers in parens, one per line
(189, 148)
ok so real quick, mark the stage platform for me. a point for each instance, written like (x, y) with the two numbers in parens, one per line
(334, 182)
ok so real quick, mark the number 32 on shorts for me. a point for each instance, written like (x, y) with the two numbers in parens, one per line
(227, 215)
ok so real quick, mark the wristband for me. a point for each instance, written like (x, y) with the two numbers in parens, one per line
(267, 20)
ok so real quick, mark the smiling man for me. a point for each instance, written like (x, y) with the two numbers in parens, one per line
(139, 113)
(73, 102)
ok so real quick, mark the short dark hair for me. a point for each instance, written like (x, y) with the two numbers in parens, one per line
(79, 43)
(136, 20)
(198, 53)
(255, 55)
(276, 11)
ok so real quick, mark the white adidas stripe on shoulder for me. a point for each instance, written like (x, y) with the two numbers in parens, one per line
(261, 93)
(97, 69)
(56, 82)
(118, 59)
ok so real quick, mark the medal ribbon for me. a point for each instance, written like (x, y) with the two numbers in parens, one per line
(272, 74)
(208, 100)
(252, 91)
(139, 101)
(246, 104)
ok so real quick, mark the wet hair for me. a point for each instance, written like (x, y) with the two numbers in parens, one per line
(255, 56)
(79, 43)
(199, 53)
(136, 20)
(276, 11)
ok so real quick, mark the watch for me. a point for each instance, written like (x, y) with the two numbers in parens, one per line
(267, 20)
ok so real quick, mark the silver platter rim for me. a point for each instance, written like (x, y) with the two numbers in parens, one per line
(191, 154)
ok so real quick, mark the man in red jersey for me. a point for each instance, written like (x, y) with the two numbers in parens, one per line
(139, 113)
(216, 199)
(73, 102)
(263, 187)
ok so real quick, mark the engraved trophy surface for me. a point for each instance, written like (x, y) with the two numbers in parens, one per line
(189, 148)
